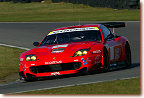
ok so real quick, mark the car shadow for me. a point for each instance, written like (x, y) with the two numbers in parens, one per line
(129, 67)
(134, 65)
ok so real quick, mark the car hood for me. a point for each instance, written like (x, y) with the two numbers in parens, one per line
(60, 51)
(69, 47)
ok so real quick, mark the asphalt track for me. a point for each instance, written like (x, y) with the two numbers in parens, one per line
(24, 34)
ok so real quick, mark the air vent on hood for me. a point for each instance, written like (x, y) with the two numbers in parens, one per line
(58, 50)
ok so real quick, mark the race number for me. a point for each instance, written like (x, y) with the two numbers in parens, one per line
(111, 53)
(117, 53)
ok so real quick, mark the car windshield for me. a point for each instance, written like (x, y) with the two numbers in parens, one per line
(69, 37)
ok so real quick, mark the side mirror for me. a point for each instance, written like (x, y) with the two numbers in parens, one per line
(117, 36)
(110, 36)
(36, 43)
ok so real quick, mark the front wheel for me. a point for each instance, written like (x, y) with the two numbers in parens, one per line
(30, 78)
(105, 60)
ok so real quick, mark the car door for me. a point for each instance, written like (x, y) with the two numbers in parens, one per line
(112, 44)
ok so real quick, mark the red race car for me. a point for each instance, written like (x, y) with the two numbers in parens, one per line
(76, 49)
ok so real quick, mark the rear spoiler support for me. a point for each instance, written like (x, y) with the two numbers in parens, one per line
(113, 30)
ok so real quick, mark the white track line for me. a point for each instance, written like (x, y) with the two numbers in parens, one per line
(73, 85)
(14, 46)
(10, 83)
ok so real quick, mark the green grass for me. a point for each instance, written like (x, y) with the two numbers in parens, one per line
(56, 12)
(9, 63)
(127, 86)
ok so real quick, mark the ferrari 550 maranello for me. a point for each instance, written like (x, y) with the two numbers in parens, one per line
(76, 49)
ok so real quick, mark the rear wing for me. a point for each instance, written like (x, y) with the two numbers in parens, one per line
(114, 25)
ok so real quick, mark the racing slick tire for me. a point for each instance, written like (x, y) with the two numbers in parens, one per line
(127, 55)
(106, 61)
(30, 78)
(84, 71)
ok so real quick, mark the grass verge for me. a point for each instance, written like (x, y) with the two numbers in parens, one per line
(127, 86)
(56, 12)
(9, 64)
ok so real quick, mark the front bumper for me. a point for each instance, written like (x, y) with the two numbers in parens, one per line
(72, 66)
(32, 76)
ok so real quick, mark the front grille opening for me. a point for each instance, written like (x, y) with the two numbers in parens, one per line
(55, 67)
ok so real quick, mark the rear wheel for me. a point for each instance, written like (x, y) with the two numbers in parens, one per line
(127, 55)
(105, 60)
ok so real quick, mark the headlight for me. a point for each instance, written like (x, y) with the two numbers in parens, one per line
(30, 57)
(81, 52)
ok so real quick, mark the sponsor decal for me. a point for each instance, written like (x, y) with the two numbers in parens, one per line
(97, 57)
(50, 33)
(76, 60)
(32, 64)
(113, 65)
(54, 58)
(24, 67)
(97, 51)
(21, 59)
(82, 59)
(114, 53)
(117, 53)
(96, 62)
(111, 53)
(88, 60)
(73, 30)
(55, 73)
(96, 28)
(53, 62)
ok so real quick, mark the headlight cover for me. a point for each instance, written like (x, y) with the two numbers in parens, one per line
(81, 52)
(30, 57)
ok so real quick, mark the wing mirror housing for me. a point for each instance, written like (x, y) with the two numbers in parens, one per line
(36, 43)
(117, 36)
